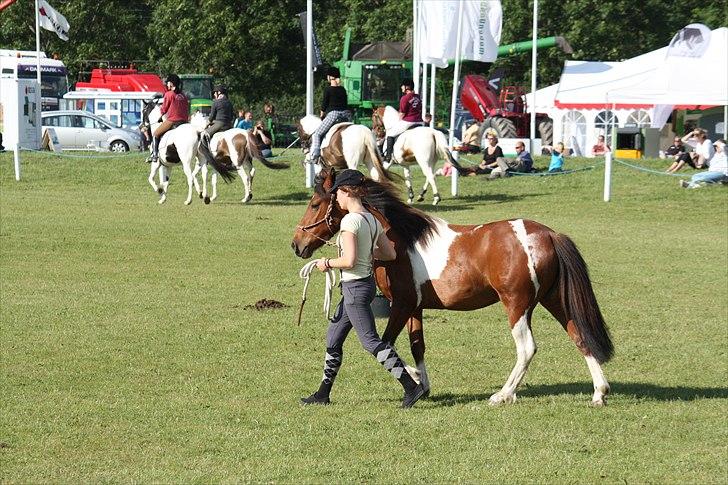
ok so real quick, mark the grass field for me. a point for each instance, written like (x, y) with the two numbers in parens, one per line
(128, 353)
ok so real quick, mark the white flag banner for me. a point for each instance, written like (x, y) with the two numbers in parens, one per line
(482, 21)
(481, 30)
(50, 19)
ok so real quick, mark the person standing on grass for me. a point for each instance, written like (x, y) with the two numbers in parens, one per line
(361, 240)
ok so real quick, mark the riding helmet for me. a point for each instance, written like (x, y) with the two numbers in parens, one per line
(333, 72)
(174, 79)
(408, 84)
(220, 88)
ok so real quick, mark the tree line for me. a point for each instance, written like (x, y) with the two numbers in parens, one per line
(256, 47)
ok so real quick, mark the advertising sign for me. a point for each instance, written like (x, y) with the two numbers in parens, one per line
(20, 100)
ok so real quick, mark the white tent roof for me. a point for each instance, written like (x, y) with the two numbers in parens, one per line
(649, 79)
(685, 81)
(544, 98)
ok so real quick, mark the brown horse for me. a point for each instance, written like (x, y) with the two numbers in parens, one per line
(345, 146)
(444, 266)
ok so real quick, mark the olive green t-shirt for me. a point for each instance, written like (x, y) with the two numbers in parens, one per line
(367, 230)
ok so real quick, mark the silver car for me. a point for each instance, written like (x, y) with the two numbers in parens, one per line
(81, 130)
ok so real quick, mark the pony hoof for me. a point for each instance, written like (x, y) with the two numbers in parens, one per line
(436, 200)
(599, 403)
(160, 190)
(200, 195)
(207, 200)
(247, 199)
(420, 198)
(498, 399)
(409, 200)
(188, 202)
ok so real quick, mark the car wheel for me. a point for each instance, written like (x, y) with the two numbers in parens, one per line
(118, 146)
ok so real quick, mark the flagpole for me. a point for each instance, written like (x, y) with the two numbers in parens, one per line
(432, 96)
(453, 101)
(533, 76)
(415, 46)
(37, 45)
(309, 81)
(423, 91)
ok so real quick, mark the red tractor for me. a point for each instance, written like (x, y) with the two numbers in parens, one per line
(503, 112)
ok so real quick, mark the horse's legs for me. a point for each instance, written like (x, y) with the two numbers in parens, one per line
(552, 303)
(152, 172)
(417, 346)
(430, 179)
(519, 318)
(245, 177)
(214, 185)
(408, 183)
(188, 173)
(194, 178)
(164, 183)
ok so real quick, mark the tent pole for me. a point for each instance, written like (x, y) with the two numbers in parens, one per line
(725, 122)
(453, 101)
(532, 130)
(432, 96)
(608, 161)
(309, 82)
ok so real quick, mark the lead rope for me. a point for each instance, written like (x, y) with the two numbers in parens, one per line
(305, 274)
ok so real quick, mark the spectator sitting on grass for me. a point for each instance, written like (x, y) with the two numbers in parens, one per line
(717, 173)
(601, 147)
(704, 151)
(246, 123)
(523, 163)
(677, 152)
(557, 158)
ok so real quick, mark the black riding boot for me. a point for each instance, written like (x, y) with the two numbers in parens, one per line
(388, 357)
(390, 149)
(155, 150)
(332, 363)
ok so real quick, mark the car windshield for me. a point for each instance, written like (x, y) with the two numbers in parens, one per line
(198, 88)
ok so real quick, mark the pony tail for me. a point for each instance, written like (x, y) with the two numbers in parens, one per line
(258, 155)
(579, 301)
(441, 144)
(226, 171)
(371, 143)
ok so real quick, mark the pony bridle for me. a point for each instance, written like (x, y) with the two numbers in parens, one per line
(328, 219)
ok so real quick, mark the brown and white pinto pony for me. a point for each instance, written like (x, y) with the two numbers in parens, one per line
(465, 267)
(422, 145)
(236, 147)
(346, 145)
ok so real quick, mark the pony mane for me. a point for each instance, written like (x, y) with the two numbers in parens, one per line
(412, 225)
(309, 123)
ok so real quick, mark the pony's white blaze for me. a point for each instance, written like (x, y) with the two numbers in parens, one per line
(309, 123)
(520, 229)
(429, 261)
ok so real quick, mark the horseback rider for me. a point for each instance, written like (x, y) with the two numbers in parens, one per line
(410, 115)
(221, 116)
(334, 109)
(176, 106)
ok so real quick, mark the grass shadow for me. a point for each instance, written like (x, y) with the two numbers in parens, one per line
(632, 390)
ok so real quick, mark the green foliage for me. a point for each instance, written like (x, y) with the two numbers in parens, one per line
(128, 353)
(256, 46)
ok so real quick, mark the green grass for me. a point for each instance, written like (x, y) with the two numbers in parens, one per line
(128, 353)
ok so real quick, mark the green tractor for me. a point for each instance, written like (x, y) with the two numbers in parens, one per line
(198, 88)
(372, 75)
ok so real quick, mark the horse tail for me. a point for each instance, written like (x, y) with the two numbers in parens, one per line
(258, 155)
(226, 171)
(371, 144)
(444, 151)
(578, 300)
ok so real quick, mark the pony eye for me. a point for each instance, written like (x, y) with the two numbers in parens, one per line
(315, 206)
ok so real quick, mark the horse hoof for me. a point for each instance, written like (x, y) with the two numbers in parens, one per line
(188, 202)
(200, 195)
(207, 200)
(436, 200)
(599, 402)
(420, 198)
(247, 199)
(160, 190)
(498, 399)
(409, 200)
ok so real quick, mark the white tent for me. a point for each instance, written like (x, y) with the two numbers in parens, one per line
(684, 81)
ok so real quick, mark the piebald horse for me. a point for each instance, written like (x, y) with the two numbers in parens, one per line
(180, 146)
(465, 267)
(345, 145)
(423, 146)
(236, 147)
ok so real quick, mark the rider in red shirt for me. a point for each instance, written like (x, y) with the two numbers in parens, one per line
(410, 115)
(176, 106)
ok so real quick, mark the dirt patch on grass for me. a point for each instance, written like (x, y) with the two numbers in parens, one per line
(266, 304)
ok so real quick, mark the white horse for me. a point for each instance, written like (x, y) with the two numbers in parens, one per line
(346, 145)
(181, 145)
(236, 147)
(423, 146)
